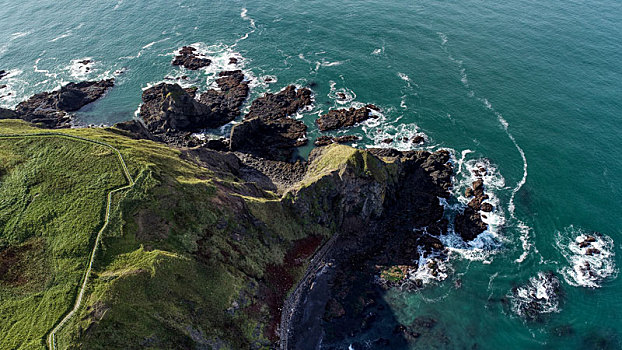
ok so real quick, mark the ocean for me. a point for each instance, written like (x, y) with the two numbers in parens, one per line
(530, 89)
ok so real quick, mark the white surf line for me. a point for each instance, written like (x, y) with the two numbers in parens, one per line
(524, 229)
(51, 339)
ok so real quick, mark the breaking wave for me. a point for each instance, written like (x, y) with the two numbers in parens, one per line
(590, 257)
(540, 295)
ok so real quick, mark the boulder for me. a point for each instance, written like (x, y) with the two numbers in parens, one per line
(418, 140)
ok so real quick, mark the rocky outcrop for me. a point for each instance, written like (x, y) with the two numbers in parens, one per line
(135, 129)
(278, 106)
(7, 113)
(469, 223)
(52, 109)
(171, 112)
(224, 104)
(267, 130)
(340, 118)
(188, 58)
(3, 73)
(327, 140)
(270, 139)
(373, 198)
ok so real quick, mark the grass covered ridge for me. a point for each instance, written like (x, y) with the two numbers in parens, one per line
(191, 258)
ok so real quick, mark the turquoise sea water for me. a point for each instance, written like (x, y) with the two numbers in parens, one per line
(533, 88)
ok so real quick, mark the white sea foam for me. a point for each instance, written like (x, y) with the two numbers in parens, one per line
(585, 270)
(403, 76)
(342, 95)
(14, 90)
(379, 51)
(17, 35)
(403, 102)
(253, 26)
(46, 72)
(62, 36)
(119, 3)
(82, 67)
(538, 296)
(401, 134)
(443, 37)
(143, 49)
(430, 268)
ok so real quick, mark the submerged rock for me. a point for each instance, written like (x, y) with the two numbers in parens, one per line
(190, 60)
(537, 297)
(340, 118)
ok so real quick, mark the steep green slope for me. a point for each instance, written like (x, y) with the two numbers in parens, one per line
(192, 257)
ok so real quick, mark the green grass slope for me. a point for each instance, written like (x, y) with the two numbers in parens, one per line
(192, 258)
(52, 198)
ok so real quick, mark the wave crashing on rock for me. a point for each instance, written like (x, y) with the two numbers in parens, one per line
(590, 257)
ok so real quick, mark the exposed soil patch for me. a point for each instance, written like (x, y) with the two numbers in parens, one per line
(151, 226)
(24, 265)
(280, 279)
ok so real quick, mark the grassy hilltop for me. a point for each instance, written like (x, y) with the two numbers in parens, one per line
(182, 263)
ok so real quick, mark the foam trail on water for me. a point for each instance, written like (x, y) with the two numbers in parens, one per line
(244, 15)
(524, 229)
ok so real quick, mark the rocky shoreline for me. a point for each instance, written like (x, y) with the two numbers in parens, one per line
(371, 199)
